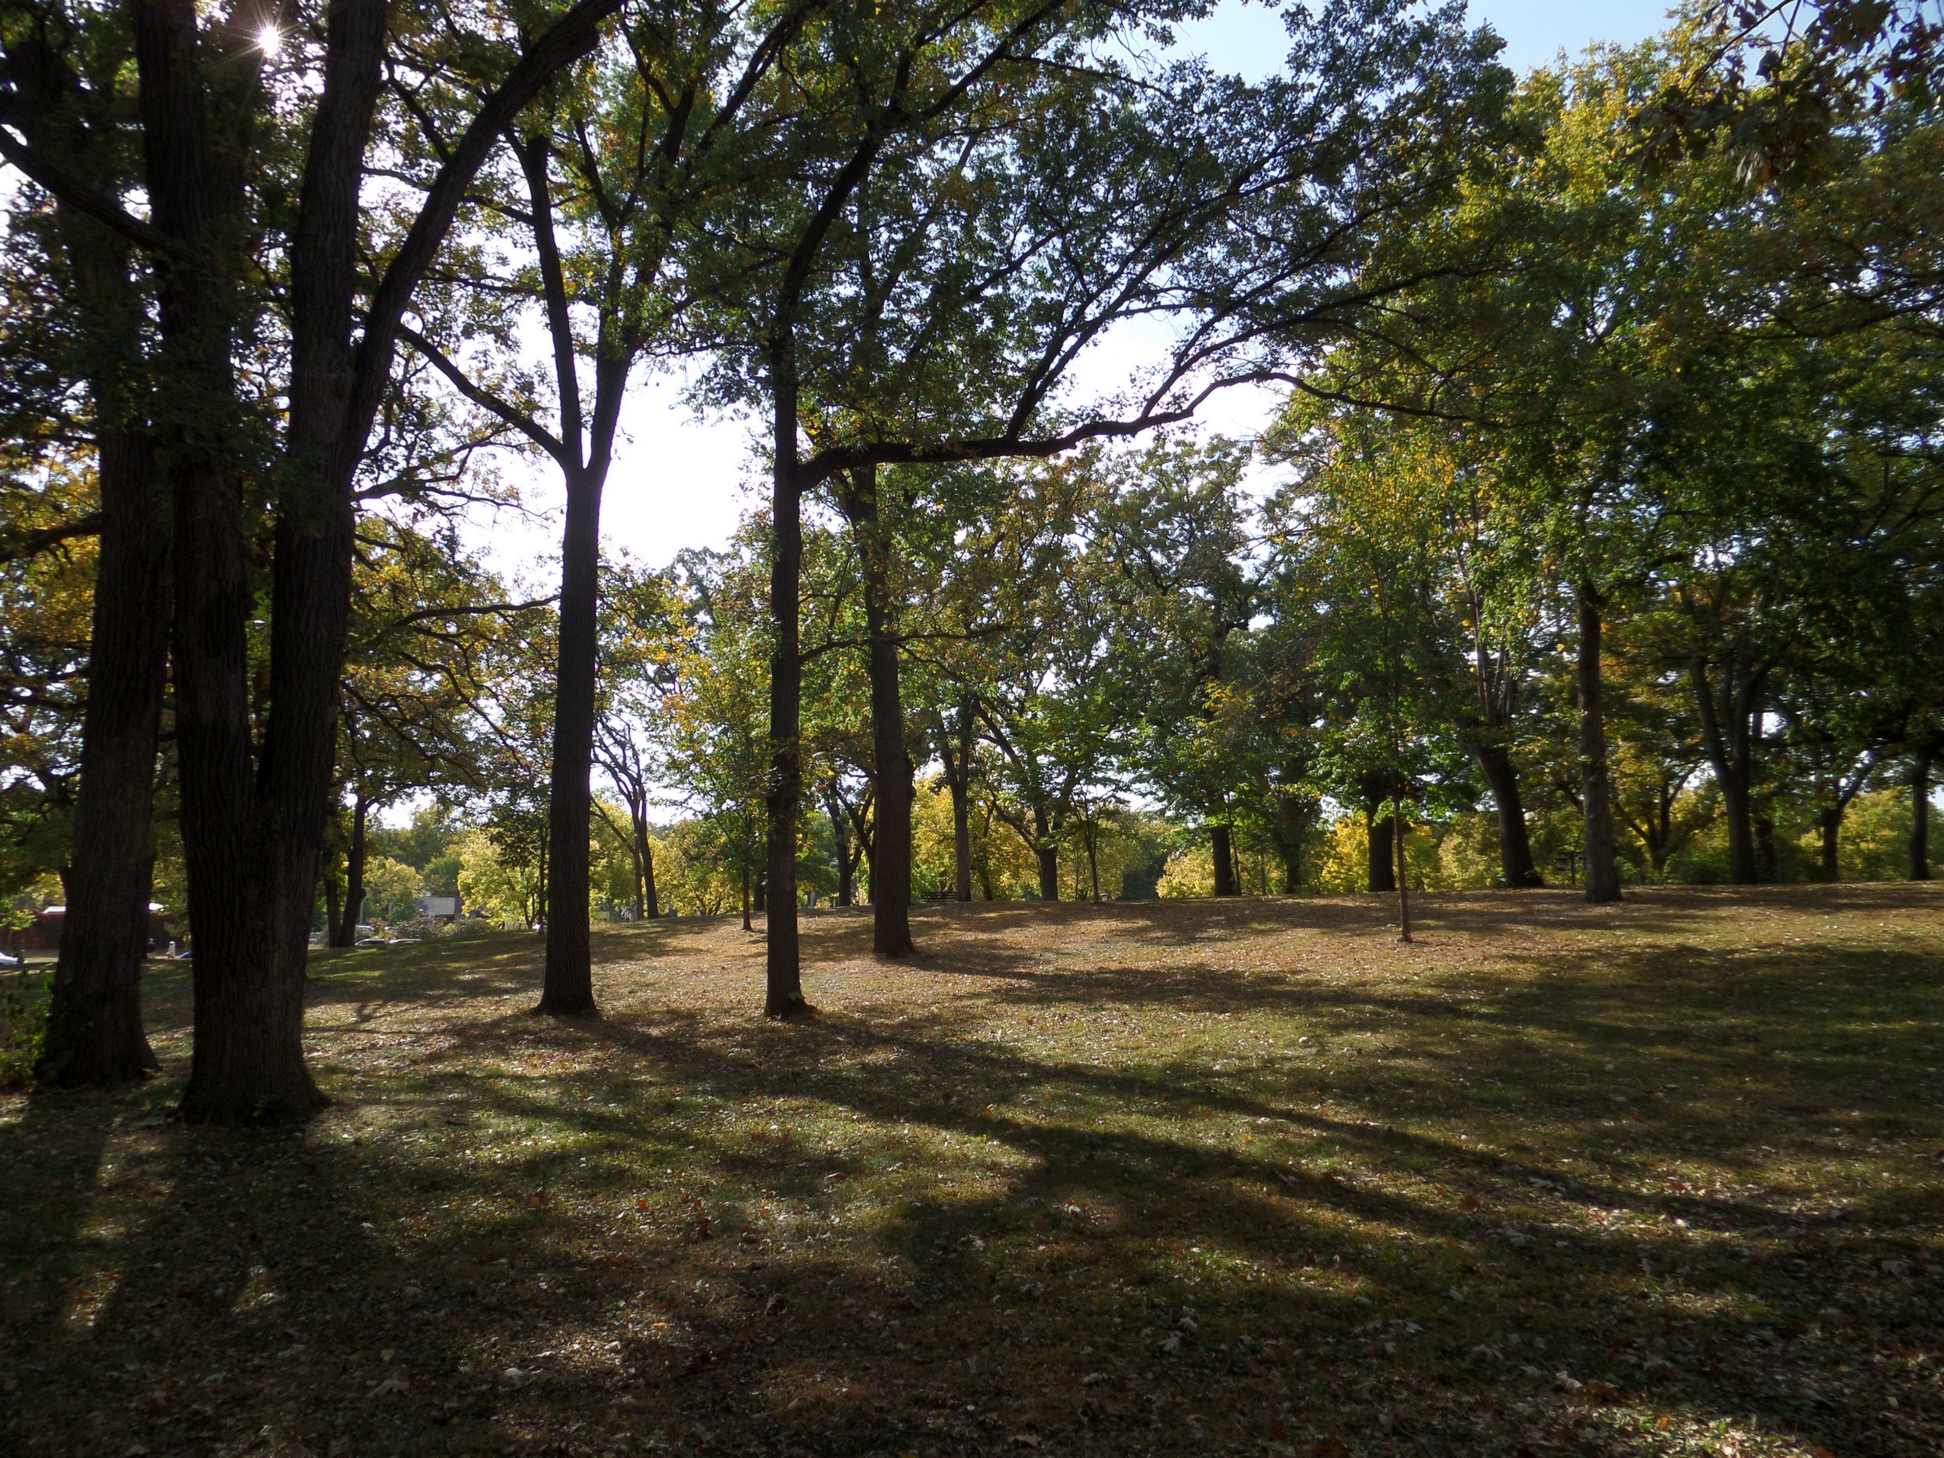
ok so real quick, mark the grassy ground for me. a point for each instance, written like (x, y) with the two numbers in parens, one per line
(1191, 1178)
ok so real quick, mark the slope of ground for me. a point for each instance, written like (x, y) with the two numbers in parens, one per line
(1184, 1178)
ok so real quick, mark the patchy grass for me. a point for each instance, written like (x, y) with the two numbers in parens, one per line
(1188, 1178)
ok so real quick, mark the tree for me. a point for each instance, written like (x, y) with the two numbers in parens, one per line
(1118, 199)
(253, 814)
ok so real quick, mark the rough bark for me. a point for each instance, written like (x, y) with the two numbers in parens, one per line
(1220, 843)
(891, 767)
(1049, 873)
(783, 978)
(1515, 845)
(94, 1026)
(241, 837)
(1599, 845)
(568, 987)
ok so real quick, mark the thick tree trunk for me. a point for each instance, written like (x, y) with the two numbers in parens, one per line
(1515, 845)
(1292, 826)
(569, 979)
(1049, 873)
(245, 833)
(1599, 846)
(891, 768)
(783, 977)
(1380, 865)
(1225, 883)
(344, 933)
(1920, 807)
(94, 1027)
(1768, 857)
(1829, 823)
(1738, 811)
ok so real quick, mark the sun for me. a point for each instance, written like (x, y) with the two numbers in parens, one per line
(270, 41)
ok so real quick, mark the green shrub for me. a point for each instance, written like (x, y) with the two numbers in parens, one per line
(23, 1024)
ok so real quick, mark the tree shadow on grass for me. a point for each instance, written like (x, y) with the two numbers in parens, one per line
(1092, 1210)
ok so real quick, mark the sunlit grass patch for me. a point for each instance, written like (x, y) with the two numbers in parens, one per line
(1190, 1178)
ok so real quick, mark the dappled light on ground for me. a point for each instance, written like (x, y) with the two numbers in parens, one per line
(1242, 1177)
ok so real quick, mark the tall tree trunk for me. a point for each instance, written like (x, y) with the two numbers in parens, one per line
(94, 1027)
(748, 925)
(1047, 854)
(961, 842)
(1515, 845)
(251, 835)
(1049, 873)
(1829, 822)
(891, 768)
(1381, 867)
(1403, 881)
(569, 980)
(651, 897)
(1093, 862)
(783, 976)
(1920, 807)
(958, 779)
(1744, 868)
(1599, 844)
(333, 899)
(840, 841)
(1292, 826)
(1225, 882)
(345, 932)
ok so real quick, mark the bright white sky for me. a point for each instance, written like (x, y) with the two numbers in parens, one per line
(681, 481)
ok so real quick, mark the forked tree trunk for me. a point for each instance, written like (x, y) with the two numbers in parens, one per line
(1598, 847)
(1515, 844)
(1225, 883)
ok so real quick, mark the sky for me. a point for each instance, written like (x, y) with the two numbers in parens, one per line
(679, 481)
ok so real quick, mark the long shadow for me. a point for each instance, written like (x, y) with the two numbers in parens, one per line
(1148, 1253)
